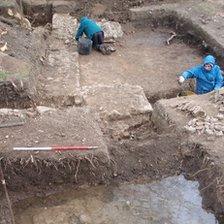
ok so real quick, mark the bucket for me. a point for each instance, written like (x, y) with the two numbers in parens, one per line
(84, 46)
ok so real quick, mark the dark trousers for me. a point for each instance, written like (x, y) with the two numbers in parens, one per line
(98, 39)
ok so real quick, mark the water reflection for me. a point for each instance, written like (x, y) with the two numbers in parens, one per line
(173, 200)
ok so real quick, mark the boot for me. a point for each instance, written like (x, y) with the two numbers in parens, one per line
(104, 50)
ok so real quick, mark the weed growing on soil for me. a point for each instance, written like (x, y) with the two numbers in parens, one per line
(5, 4)
(3, 75)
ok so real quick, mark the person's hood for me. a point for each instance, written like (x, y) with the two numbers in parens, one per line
(209, 60)
(83, 19)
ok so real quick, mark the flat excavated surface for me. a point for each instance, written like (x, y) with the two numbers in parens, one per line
(117, 101)
(69, 127)
(142, 59)
(204, 19)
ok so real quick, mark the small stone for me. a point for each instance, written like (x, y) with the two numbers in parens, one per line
(128, 203)
(218, 133)
(213, 119)
(114, 115)
(191, 109)
(186, 106)
(219, 127)
(185, 151)
(190, 129)
(211, 138)
(198, 112)
(7, 136)
(125, 134)
(192, 122)
(67, 41)
(209, 131)
(220, 116)
(199, 127)
(212, 126)
(207, 119)
(30, 114)
(200, 123)
(84, 219)
(79, 100)
(43, 109)
(221, 110)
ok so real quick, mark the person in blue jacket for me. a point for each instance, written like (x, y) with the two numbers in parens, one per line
(92, 32)
(208, 76)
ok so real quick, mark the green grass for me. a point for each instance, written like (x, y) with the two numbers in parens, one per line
(6, 3)
(3, 75)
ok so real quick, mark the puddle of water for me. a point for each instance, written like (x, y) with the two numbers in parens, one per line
(173, 200)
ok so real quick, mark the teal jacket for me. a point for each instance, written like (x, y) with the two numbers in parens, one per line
(88, 27)
(206, 81)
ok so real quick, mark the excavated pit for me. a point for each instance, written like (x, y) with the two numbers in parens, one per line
(134, 148)
(166, 201)
(143, 58)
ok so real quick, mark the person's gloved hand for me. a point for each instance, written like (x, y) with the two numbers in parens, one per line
(181, 79)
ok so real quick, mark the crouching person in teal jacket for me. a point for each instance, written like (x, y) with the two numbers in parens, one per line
(208, 76)
(92, 31)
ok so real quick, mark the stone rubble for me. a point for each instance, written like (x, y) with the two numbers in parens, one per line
(23, 113)
(218, 97)
(64, 26)
(209, 125)
(12, 112)
(201, 123)
(111, 29)
(194, 110)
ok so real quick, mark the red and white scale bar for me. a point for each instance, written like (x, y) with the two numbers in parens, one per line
(56, 148)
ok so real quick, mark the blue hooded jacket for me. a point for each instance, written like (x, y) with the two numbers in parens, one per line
(88, 27)
(206, 81)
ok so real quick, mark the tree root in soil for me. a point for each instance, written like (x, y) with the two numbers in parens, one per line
(7, 21)
(70, 164)
(2, 178)
(171, 38)
(210, 176)
(11, 93)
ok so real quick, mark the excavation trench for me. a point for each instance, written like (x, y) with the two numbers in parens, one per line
(172, 200)
(137, 164)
